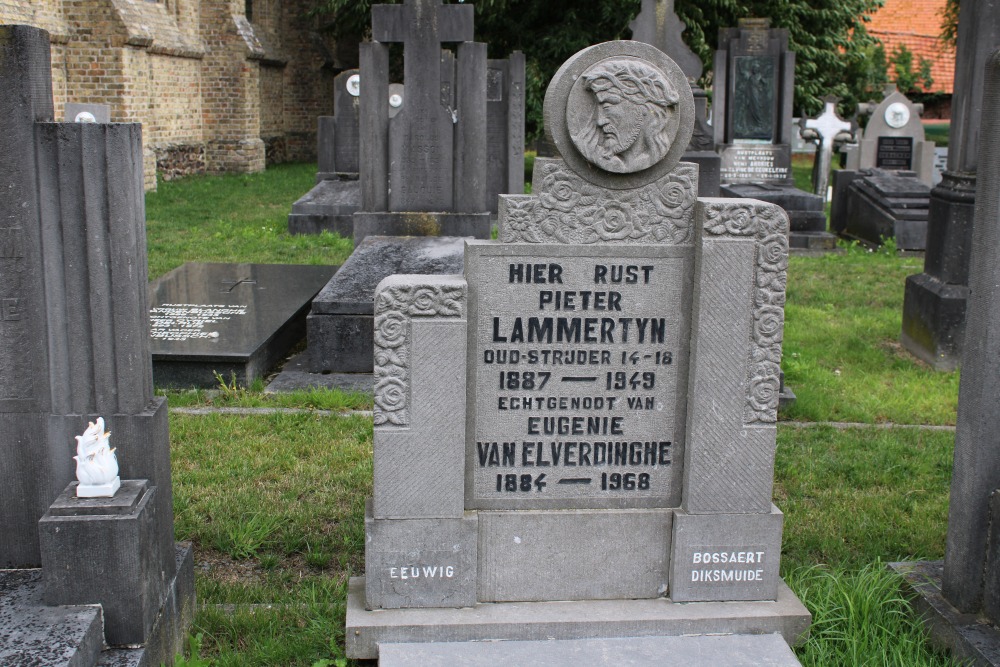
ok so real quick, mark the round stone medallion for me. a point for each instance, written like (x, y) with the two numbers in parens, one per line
(897, 115)
(354, 84)
(620, 113)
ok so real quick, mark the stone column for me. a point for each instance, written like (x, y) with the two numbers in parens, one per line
(976, 473)
(935, 300)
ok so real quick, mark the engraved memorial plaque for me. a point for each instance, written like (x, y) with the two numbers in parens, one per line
(754, 106)
(894, 153)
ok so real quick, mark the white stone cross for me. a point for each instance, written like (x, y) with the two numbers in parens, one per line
(827, 126)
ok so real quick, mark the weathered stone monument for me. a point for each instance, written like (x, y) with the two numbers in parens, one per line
(330, 205)
(578, 434)
(505, 97)
(893, 200)
(431, 171)
(754, 81)
(894, 138)
(934, 301)
(78, 572)
(424, 172)
(961, 600)
(658, 25)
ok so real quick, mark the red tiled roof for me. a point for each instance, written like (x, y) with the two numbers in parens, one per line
(917, 24)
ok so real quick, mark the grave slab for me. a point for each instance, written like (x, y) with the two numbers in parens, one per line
(587, 619)
(968, 637)
(328, 207)
(295, 375)
(340, 327)
(233, 319)
(885, 204)
(697, 651)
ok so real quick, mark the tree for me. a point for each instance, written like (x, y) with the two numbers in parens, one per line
(828, 36)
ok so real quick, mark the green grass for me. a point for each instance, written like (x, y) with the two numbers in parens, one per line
(274, 503)
(938, 133)
(235, 218)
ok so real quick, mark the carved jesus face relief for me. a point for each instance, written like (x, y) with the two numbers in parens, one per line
(631, 122)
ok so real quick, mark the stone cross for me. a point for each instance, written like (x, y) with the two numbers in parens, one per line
(827, 127)
(421, 144)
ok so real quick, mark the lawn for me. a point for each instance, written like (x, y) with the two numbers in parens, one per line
(274, 502)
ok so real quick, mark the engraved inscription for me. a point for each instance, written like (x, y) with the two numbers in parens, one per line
(744, 164)
(189, 321)
(577, 367)
(723, 565)
(622, 115)
(894, 153)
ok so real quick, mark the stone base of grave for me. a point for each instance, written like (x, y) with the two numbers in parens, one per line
(43, 636)
(883, 205)
(328, 207)
(786, 397)
(589, 619)
(340, 327)
(934, 321)
(476, 225)
(234, 320)
(806, 212)
(967, 636)
(691, 651)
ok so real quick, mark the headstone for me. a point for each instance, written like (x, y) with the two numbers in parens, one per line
(505, 81)
(658, 25)
(827, 128)
(934, 301)
(894, 139)
(234, 320)
(961, 604)
(576, 438)
(74, 345)
(340, 327)
(330, 205)
(940, 164)
(753, 86)
(424, 171)
(887, 205)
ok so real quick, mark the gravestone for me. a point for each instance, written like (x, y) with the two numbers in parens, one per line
(429, 171)
(658, 25)
(826, 130)
(424, 172)
(893, 144)
(340, 322)
(934, 301)
(754, 81)
(234, 320)
(505, 81)
(961, 601)
(575, 439)
(74, 345)
(887, 205)
(894, 139)
(331, 203)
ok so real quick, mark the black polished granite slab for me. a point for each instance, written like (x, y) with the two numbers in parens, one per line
(237, 320)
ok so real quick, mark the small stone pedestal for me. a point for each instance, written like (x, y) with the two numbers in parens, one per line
(104, 551)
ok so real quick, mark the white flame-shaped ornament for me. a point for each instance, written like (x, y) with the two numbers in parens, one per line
(96, 464)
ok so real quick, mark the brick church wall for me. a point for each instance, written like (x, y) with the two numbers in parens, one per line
(215, 91)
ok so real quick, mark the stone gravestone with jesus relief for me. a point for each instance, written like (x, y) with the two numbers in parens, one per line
(579, 433)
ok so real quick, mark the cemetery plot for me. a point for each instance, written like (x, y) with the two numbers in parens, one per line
(228, 319)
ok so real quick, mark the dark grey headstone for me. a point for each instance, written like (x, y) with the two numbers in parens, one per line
(340, 323)
(346, 144)
(231, 319)
(505, 81)
(753, 88)
(976, 472)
